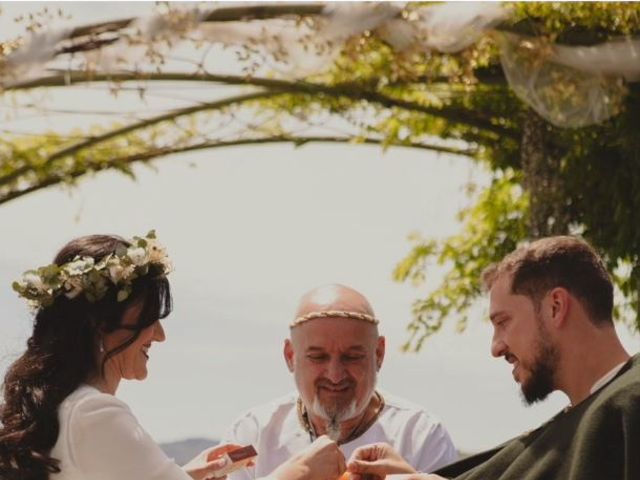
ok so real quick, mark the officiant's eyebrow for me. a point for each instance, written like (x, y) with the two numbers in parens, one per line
(355, 348)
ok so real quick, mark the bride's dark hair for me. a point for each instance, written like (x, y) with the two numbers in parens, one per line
(61, 354)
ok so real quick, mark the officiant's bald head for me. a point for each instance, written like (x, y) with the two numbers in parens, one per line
(322, 301)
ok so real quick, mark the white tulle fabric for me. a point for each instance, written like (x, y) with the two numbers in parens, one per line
(30, 60)
(552, 81)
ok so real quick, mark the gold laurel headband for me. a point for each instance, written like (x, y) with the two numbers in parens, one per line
(334, 313)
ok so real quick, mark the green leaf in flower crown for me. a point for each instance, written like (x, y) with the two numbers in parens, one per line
(122, 295)
(151, 234)
(50, 274)
(121, 250)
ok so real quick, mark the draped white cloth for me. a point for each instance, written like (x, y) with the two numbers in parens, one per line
(593, 75)
(550, 83)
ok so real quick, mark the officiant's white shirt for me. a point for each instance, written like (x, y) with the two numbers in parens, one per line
(276, 433)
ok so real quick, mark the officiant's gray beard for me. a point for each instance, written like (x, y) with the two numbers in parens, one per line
(335, 418)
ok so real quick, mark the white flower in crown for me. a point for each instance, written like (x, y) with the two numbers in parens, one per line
(78, 266)
(73, 287)
(158, 255)
(33, 281)
(156, 251)
(138, 255)
(119, 272)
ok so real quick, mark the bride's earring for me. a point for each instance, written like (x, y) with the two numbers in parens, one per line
(101, 346)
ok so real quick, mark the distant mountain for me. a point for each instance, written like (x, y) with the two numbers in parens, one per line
(184, 450)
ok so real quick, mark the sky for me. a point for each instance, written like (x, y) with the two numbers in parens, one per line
(249, 230)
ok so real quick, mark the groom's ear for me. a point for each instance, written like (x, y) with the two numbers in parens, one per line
(288, 354)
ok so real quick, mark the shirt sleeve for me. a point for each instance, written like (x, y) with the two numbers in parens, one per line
(434, 447)
(106, 442)
(244, 431)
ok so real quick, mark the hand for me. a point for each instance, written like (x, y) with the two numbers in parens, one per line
(208, 462)
(377, 460)
(322, 460)
(415, 476)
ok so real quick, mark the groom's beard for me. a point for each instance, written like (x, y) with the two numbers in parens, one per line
(542, 368)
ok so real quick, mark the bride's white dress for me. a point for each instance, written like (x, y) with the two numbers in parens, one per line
(101, 439)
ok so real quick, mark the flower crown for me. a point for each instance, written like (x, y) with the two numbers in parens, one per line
(83, 275)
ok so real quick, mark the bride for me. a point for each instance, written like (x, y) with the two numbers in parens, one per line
(97, 314)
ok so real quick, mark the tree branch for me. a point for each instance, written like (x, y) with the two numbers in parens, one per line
(298, 141)
(350, 90)
(346, 90)
(222, 14)
(136, 126)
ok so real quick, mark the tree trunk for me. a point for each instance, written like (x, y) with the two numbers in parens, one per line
(541, 166)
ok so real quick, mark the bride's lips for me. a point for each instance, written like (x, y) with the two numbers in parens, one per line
(145, 350)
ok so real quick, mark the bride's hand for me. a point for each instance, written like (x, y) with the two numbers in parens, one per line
(208, 462)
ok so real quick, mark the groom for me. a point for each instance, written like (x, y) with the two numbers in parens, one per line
(551, 311)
